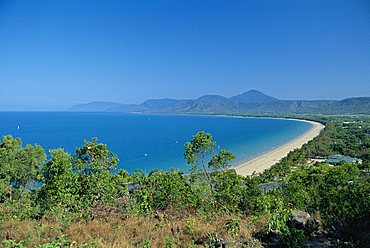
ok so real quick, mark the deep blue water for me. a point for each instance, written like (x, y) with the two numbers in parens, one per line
(149, 142)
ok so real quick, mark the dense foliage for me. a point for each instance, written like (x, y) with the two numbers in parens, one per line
(205, 208)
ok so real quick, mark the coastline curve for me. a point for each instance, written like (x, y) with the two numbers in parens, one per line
(268, 159)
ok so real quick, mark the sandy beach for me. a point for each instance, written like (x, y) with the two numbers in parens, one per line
(268, 159)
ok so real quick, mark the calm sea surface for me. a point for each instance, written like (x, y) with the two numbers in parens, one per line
(149, 142)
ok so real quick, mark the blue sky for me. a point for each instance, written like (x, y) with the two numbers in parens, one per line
(54, 54)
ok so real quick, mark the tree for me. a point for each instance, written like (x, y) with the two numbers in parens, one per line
(200, 148)
(94, 157)
(59, 187)
(94, 164)
(197, 149)
(168, 191)
(221, 160)
(20, 166)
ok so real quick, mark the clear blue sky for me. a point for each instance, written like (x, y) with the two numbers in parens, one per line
(54, 54)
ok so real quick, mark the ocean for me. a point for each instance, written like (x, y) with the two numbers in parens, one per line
(147, 141)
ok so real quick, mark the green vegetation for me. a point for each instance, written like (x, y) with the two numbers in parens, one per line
(77, 200)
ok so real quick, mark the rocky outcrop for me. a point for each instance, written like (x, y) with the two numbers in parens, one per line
(303, 221)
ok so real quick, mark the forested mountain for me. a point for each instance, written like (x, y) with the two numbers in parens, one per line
(250, 102)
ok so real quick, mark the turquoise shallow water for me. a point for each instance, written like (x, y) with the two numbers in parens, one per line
(149, 142)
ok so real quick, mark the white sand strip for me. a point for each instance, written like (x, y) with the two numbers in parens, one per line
(270, 158)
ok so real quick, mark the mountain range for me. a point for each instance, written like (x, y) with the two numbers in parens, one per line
(251, 102)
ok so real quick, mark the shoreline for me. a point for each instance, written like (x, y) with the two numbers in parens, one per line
(269, 158)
